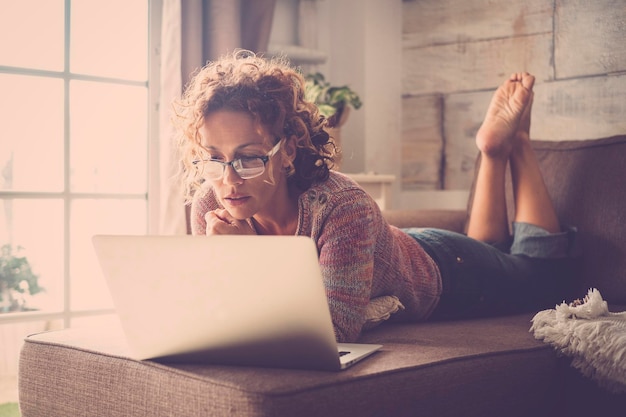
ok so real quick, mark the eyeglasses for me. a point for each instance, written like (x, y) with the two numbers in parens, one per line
(247, 167)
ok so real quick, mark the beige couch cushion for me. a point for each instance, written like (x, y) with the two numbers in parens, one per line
(489, 367)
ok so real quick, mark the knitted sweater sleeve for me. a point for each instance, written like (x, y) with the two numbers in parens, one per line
(346, 244)
(203, 202)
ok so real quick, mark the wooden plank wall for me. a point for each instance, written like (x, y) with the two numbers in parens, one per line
(456, 53)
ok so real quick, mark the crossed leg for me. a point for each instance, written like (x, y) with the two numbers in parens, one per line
(504, 138)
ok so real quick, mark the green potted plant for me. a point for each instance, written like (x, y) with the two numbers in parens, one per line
(16, 279)
(332, 101)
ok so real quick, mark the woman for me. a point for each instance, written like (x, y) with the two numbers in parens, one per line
(257, 161)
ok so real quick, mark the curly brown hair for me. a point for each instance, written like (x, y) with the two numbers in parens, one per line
(272, 92)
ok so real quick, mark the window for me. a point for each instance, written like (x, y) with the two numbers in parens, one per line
(76, 114)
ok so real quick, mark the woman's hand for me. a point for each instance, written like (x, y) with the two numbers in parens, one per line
(220, 222)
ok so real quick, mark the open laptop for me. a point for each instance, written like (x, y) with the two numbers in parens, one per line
(237, 300)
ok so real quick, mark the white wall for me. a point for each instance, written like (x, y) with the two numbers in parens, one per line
(365, 52)
(363, 43)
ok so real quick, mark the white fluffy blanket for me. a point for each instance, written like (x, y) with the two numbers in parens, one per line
(591, 335)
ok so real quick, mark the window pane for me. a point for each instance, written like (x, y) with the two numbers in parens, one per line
(32, 34)
(109, 132)
(37, 226)
(90, 217)
(110, 38)
(31, 133)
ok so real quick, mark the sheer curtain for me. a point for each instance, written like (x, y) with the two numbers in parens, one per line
(192, 33)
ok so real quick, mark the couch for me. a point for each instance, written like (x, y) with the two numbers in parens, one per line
(478, 367)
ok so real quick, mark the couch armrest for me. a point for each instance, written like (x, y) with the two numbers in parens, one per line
(453, 220)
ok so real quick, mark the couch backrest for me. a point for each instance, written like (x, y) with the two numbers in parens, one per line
(587, 182)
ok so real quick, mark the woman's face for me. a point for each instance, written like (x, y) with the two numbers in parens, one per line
(227, 135)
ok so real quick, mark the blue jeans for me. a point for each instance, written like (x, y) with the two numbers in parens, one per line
(533, 271)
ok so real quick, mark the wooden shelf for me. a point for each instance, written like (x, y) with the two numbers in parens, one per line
(298, 54)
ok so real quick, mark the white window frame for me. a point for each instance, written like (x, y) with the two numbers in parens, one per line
(67, 314)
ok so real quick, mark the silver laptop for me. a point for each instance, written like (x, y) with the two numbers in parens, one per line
(237, 300)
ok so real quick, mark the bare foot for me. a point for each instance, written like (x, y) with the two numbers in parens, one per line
(509, 103)
(523, 129)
